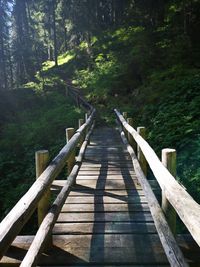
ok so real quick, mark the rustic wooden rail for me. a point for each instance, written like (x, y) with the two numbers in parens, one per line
(175, 198)
(185, 206)
(47, 225)
(170, 246)
(19, 215)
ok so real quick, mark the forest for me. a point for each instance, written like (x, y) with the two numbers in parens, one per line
(142, 56)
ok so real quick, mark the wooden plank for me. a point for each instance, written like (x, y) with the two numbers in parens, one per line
(105, 217)
(109, 165)
(110, 162)
(107, 172)
(190, 249)
(107, 169)
(104, 207)
(101, 184)
(115, 177)
(102, 249)
(105, 154)
(104, 228)
(115, 193)
(108, 265)
(85, 166)
(106, 199)
(106, 159)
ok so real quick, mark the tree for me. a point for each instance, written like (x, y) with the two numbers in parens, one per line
(5, 57)
(54, 3)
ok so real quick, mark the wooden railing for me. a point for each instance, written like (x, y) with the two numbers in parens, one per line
(75, 93)
(22, 211)
(184, 205)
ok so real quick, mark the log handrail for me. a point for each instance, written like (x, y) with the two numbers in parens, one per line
(49, 221)
(170, 246)
(12, 224)
(186, 207)
(75, 93)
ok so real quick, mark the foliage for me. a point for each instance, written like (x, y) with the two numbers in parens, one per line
(140, 56)
(172, 120)
(39, 125)
(163, 97)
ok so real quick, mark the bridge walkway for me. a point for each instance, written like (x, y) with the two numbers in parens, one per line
(106, 219)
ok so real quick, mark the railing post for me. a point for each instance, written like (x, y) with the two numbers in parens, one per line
(140, 155)
(80, 123)
(41, 161)
(125, 115)
(169, 161)
(71, 159)
(130, 137)
(86, 117)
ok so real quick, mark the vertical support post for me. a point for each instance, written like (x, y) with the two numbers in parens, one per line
(140, 155)
(125, 115)
(130, 137)
(41, 161)
(80, 123)
(169, 161)
(71, 159)
(86, 117)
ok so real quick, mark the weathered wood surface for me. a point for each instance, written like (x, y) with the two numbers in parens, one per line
(40, 240)
(172, 250)
(60, 254)
(186, 207)
(19, 215)
(41, 161)
(108, 226)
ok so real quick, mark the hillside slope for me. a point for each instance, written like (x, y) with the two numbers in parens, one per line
(31, 119)
(124, 68)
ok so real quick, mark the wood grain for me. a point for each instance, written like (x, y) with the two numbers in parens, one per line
(186, 207)
(19, 215)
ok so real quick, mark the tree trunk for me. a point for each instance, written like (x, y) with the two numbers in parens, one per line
(3, 62)
(10, 67)
(54, 34)
(3, 73)
(65, 37)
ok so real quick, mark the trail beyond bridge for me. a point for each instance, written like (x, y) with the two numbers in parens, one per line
(106, 213)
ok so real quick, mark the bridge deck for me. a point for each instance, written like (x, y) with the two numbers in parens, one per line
(106, 219)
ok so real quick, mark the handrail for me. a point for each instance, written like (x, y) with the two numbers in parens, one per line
(186, 207)
(170, 246)
(74, 92)
(12, 224)
(48, 222)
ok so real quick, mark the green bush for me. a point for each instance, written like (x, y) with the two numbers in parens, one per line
(39, 127)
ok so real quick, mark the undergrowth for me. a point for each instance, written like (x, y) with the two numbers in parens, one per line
(37, 120)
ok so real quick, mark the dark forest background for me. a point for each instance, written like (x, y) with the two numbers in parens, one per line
(142, 56)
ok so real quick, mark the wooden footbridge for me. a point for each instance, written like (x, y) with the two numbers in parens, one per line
(105, 213)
